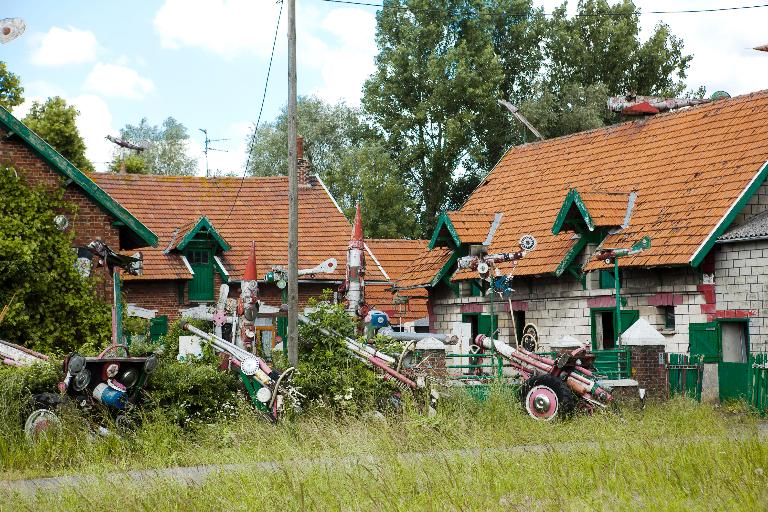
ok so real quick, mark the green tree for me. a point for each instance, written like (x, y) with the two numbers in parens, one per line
(51, 308)
(348, 156)
(11, 91)
(596, 54)
(436, 82)
(54, 121)
(166, 149)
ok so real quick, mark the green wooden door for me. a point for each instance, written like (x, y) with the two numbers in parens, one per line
(733, 370)
(704, 341)
(201, 286)
(733, 380)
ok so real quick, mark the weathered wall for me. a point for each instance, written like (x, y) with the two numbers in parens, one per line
(559, 306)
(90, 222)
(740, 287)
(164, 295)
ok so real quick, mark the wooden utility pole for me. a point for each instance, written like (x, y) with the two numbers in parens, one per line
(293, 195)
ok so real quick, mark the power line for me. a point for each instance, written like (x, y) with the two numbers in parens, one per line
(526, 14)
(258, 120)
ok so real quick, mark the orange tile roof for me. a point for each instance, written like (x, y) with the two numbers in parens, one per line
(260, 213)
(424, 268)
(396, 256)
(689, 167)
(606, 208)
(471, 227)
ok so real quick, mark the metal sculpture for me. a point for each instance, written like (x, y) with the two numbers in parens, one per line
(11, 28)
(551, 386)
(353, 287)
(633, 105)
(266, 387)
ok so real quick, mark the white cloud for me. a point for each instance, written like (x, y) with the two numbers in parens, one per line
(342, 46)
(62, 47)
(94, 124)
(114, 80)
(226, 27)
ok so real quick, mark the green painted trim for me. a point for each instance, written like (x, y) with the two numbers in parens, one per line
(572, 198)
(203, 222)
(67, 170)
(443, 220)
(444, 269)
(570, 256)
(220, 270)
(726, 222)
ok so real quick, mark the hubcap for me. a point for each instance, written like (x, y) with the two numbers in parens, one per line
(541, 403)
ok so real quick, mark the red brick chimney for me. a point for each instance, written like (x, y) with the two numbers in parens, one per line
(303, 166)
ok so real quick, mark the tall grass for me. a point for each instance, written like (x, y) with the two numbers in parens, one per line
(461, 423)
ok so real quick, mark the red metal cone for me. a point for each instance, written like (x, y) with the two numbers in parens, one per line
(357, 230)
(250, 266)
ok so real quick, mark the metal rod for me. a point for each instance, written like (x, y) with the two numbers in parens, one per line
(293, 194)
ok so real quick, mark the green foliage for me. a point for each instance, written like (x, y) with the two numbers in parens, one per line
(437, 79)
(165, 153)
(327, 375)
(54, 121)
(17, 385)
(349, 157)
(134, 164)
(52, 308)
(11, 91)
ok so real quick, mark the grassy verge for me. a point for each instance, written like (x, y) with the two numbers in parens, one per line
(461, 423)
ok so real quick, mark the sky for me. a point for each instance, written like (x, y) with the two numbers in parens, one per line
(204, 62)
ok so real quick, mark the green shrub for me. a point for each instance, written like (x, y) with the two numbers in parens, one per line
(17, 385)
(52, 308)
(328, 375)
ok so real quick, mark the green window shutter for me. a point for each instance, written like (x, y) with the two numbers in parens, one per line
(704, 340)
(606, 279)
(486, 324)
(158, 327)
(628, 317)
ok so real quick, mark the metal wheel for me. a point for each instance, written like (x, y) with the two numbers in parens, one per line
(40, 422)
(546, 397)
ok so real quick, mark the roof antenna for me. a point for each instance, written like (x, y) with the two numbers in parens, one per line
(520, 117)
(208, 148)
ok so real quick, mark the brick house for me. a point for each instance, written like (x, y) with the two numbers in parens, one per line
(97, 216)
(693, 180)
(206, 227)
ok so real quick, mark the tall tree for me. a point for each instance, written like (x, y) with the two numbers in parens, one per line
(596, 54)
(437, 80)
(54, 121)
(166, 149)
(348, 156)
(11, 91)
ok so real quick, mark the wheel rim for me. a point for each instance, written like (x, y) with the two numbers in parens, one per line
(542, 403)
(39, 422)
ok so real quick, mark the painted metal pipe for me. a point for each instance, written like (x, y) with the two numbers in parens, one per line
(19, 354)
(258, 368)
(578, 382)
(450, 339)
(351, 344)
(366, 353)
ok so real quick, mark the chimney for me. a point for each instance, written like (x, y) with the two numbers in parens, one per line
(302, 164)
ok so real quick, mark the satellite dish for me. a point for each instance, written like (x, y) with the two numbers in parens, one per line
(11, 28)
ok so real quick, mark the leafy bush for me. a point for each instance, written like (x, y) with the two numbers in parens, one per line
(328, 375)
(51, 307)
(17, 385)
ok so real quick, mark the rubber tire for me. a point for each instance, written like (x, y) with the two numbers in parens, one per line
(566, 398)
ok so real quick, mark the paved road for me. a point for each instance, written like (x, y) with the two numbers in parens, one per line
(195, 475)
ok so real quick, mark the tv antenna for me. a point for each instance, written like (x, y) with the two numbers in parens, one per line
(209, 148)
(520, 117)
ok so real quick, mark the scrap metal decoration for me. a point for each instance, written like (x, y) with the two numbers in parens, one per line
(11, 28)
(501, 284)
(633, 105)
